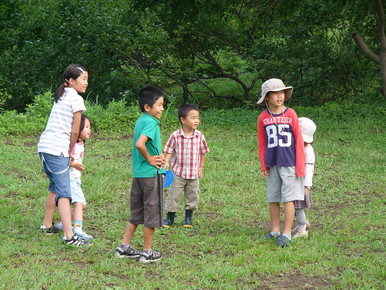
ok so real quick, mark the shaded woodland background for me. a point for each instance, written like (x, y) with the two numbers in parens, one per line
(213, 53)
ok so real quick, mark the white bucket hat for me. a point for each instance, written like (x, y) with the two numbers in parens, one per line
(308, 128)
(274, 85)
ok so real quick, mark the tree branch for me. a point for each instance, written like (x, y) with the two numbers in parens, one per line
(365, 49)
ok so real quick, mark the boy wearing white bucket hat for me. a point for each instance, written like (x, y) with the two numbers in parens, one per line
(308, 127)
(281, 154)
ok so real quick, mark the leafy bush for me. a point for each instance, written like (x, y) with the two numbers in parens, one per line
(336, 111)
(41, 106)
(119, 118)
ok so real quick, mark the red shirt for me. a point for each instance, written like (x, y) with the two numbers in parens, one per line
(186, 152)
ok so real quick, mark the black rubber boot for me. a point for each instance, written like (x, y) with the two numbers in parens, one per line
(188, 219)
(169, 221)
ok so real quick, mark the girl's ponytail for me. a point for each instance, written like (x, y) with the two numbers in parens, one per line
(59, 92)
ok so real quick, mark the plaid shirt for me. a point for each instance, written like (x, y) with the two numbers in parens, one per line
(186, 153)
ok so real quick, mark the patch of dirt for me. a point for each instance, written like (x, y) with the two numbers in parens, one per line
(294, 280)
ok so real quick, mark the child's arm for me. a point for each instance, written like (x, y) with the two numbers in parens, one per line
(167, 160)
(156, 160)
(74, 131)
(76, 165)
(201, 168)
(261, 146)
(299, 147)
(309, 166)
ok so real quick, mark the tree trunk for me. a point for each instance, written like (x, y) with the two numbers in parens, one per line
(381, 58)
(382, 39)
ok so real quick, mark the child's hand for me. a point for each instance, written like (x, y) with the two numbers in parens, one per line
(78, 166)
(157, 161)
(70, 156)
(265, 172)
(163, 159)
(200, 172)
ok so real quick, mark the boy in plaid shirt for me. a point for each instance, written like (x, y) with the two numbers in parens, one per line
(186, 148)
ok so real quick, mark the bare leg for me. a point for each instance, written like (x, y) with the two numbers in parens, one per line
(274, 210)
(50, 209)
(65, 216)
(78, 211)
(129, 233)
(148, 234)
(289, 214)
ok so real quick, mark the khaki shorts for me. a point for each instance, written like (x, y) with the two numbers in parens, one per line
(146, 201)
(283, 185)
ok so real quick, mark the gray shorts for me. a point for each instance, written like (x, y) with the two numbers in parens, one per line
(77, 194)
(283, 185)
(146, 201)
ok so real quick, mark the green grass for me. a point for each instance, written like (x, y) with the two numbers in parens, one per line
(345, 248)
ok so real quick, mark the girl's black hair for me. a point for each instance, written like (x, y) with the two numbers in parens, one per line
(73, 71)
(82, 124)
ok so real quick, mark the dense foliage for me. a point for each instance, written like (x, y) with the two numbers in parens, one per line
(213, 53)
(119, 119)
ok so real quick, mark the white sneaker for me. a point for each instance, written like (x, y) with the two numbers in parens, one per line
(300, 235)
(81, 233)
(295, 229)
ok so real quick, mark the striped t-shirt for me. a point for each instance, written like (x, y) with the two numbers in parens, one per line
(56, 137)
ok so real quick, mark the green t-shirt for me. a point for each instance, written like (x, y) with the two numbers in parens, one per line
(149, 126)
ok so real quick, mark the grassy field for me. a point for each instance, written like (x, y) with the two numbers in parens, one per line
(345, 247)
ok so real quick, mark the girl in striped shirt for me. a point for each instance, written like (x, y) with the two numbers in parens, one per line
(55, 147)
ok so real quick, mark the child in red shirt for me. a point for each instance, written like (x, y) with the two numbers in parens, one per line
(281, 154)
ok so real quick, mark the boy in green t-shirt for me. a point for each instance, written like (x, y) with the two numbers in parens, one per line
(146, 197)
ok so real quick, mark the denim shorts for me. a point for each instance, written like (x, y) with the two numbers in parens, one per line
(77, 194)
(57, 170)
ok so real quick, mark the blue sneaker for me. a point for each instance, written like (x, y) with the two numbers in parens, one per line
(82, 234)
(283, 241)
(269, 236)
(59, 226)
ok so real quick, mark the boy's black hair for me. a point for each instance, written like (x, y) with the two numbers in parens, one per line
(183, 110)
(73, 71)
(148, 96)
(82, 124)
